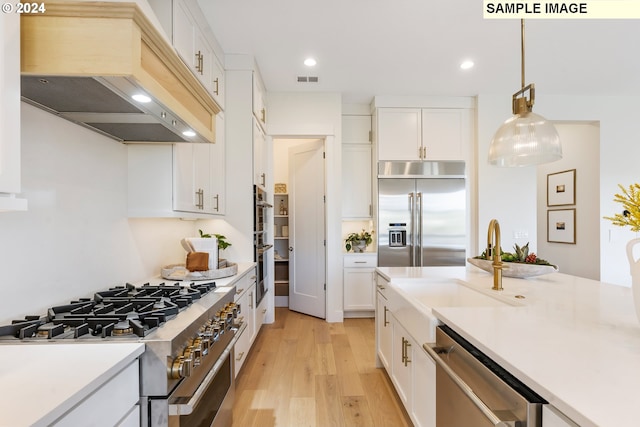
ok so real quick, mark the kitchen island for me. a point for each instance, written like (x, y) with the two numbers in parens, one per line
(574, 341)
(62, 384)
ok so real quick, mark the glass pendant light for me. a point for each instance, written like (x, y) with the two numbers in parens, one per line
(525, 139)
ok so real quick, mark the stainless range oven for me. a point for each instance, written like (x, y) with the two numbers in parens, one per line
(261, 215)
(189, 330)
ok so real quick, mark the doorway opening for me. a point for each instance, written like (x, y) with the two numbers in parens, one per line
(300, 258)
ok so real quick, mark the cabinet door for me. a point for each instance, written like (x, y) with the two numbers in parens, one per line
(244, 342)
(183, 34)
(424, 389)
(402, 363)
(399, 133)
(356, 130)
(218, 185)
(203, 202)
(359, 289)
(384, 332)
(217, 81)
(445, 133)
(183, 178)
(259, 106)
(259, 155)
(356, 181)
(191, 183)
(9, 106)
(203, 59)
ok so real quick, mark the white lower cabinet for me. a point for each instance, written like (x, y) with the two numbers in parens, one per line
(402, 363)
(412, 371)
(246, 299)
(359, 284)
(551, 417)
(122, 394)
(384, 332)
(424, 389)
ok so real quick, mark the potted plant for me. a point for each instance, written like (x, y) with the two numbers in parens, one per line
(358, 241)
(222, 242)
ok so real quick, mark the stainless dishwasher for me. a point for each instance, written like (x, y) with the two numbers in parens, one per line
(473, 391)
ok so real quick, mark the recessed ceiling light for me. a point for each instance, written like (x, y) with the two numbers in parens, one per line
(467, 64)
(141, 98)
(189, 133)
(310, 62)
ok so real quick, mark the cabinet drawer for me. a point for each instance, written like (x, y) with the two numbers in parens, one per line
(360, 260)
(382, 285)
(244, 283)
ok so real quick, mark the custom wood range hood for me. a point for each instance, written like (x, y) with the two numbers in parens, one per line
(85, 60)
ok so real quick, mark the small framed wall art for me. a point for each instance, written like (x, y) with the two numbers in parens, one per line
(561, 188)
(561, 226)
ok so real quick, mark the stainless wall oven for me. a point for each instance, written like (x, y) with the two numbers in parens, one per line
(472, 390)
(261, 215)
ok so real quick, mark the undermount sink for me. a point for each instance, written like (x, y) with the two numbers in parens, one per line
(449, 294)
(413, 300)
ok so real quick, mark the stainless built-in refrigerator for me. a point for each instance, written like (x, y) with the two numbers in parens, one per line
(421, 214)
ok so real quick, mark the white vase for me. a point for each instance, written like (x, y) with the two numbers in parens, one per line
(359, 246)
(634, 265)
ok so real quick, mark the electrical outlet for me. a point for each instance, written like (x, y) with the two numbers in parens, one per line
(521, 234)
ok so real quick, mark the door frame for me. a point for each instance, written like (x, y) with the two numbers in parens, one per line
(326, 140)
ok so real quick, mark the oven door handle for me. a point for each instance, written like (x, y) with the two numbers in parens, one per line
(180, 408)
(434, 351)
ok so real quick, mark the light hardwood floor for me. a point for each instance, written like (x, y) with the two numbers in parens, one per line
(303, 371)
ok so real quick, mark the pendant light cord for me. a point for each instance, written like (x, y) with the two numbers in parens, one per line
(522, 50)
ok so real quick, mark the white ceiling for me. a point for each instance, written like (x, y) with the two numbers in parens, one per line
(414, 47)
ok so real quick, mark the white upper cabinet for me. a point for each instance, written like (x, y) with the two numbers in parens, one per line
(190, 35)
(217, 82)
(259, 101)
(259, 155)
(218, 169)
(399, 133)
(10, 113)
(423, 133)
(356, 167)
(181, 180)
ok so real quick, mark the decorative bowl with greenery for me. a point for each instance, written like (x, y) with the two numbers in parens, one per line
(520, 263)
(358, 241)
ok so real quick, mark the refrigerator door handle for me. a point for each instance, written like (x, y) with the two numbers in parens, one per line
(412, 234)
(419, 229)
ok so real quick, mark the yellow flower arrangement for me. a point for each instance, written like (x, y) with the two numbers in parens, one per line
(630, 200)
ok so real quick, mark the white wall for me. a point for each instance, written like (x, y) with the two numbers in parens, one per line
(506, 194)
(318, 114)
(76, 237)
(510, 194)
(581, 151)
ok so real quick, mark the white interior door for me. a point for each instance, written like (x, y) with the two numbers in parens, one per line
(307, 229)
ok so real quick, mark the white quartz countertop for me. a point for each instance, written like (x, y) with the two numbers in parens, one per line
(40, 383)
(575, 341)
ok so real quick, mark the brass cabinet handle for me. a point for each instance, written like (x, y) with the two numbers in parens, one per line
(263, 115)
(407, 344)
(199, 63)
(200, 196)
(217, 199)
(239, 291)
(240, 356)
(386, 322)
(216, 82)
